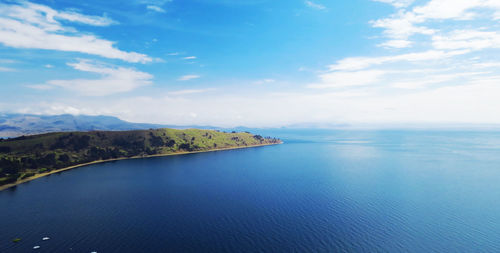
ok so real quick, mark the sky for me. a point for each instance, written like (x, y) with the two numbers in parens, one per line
(254, 63)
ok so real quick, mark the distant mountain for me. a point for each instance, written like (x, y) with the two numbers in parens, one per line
(12, 125)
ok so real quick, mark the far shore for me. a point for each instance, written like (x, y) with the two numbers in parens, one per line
(6, 186)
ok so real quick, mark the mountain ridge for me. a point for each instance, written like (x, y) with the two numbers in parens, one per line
(17, 124)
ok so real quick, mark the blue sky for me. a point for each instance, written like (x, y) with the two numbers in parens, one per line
(258, 63)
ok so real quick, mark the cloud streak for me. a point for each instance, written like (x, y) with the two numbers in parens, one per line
(264, 81)
(35, 26)
(341, 79)
(188, 77)
(356, 63)
(189, 91)
(397, 3)
(113, 80)
(402, 25)
(155, 8)
(5, 69)
(314, 5)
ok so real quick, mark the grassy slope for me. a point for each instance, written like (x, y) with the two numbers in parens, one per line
(28, 156)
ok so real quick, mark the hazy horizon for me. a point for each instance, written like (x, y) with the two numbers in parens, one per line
(302, 125)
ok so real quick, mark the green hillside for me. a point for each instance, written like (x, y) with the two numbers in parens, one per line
(27, 156)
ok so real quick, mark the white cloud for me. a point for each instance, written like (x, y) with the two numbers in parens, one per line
(36, 26)
(487, 65)
(154, 2)
(467, 39)
(473, 102)
(188, 77)
(154, 5)
(188, 91)
(314, 5)
(263, 81)
(5, 69)
(348, 79)
(155, 8)
(401, 26)
(397, 3)
(83, 19)
(446, 9)
(356, 63)
(47, 17)
(56, 109)
(41, 86)
(8, 61)
(396, 43)
(433, 79)
(407, 22)
(113, 80)
(49, 66)
(189, 58)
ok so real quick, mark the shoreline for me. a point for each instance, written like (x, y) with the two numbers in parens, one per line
(7, 186)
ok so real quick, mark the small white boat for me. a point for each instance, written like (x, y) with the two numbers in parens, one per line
(45, 238)
(36, 247)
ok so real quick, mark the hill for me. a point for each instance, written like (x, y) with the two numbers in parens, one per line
(28, 156)
(13, 125)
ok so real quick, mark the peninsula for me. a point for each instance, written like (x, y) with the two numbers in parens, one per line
(29, 157)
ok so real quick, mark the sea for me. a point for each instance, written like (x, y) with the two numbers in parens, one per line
(319, 191)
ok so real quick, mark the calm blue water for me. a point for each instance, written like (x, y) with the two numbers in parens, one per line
(321, 191)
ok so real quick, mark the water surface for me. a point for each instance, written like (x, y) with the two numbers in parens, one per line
(321, 191)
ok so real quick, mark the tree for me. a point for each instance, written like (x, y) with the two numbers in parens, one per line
(64, 158)
(80, 142)
(10, 166)
(156, 141)
(170, 143)
(48, 160)
(4, 149)
(186, 146)
(258, 137)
